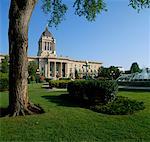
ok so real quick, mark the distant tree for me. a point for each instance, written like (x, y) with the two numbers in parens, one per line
(4, 65)
(114, 72)
(109, 73)
(32, 68)
(19, 17)
(103, 72)
(134, 68)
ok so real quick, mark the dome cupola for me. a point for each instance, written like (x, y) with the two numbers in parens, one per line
(47, 44)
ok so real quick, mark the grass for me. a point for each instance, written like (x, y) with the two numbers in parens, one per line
(64, 121)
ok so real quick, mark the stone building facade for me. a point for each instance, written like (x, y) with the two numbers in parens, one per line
(52, 66)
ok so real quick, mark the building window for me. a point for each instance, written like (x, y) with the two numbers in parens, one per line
(48, 46)
(45, 45)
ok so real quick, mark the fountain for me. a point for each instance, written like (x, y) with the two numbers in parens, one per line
(142, 76)
(135, 80)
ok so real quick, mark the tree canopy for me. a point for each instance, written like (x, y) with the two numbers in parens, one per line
(32, 68)
(134, 68)
(86, 8)
(110, 73)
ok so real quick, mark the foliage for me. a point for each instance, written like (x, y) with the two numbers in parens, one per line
(59, 83)
(93, 91)
(139, 4)
(109, 73)
(56, 9)
(134, 68)
(4, 81)
(134, 83)
(89, 8)
(86, 8)
(65, 78)
(32, 68)
(36, 79)
(120, 106)
(48, 79)
(4, 65)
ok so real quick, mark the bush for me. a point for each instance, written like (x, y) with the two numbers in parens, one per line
(93, 91)
(65, 78)
(48, 79)
(134, 83)
(4, 81)
(120, 106)
(59, 83)
(32, 78)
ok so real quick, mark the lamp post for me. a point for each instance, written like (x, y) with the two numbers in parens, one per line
(86, 66)
(37, 76)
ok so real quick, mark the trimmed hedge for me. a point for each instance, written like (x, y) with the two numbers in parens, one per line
(65, 78)
(93, 91)
(59, 83)
(4, 81)
(120, 106)
(134, 83)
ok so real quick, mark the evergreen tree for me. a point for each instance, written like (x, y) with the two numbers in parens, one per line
(134, 68)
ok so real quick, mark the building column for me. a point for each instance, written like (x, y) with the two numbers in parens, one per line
(48, 69)
(66, 70)
(60, 69)
(54, 70)
(73, 70)
(40, 65)
(45, 70)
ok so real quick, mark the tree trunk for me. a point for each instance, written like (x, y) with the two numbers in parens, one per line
(19, 16)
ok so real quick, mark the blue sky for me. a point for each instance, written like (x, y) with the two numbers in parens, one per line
(118, 37)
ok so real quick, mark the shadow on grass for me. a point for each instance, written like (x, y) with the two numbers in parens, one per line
(63, 100)
(3, 112)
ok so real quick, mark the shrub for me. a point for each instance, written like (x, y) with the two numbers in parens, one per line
(4, 81)
(120, 106)
(59, 83)
(48, 79)
(65, 78)
(134, 83)
(93, 91)
(32, 78)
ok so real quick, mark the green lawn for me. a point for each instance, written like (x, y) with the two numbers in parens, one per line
(64, 121)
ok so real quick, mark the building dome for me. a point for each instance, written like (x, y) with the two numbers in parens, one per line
(47, 33)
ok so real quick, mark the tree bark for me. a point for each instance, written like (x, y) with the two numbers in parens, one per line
(19, 16)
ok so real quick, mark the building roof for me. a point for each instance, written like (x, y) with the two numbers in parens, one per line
(47, 33)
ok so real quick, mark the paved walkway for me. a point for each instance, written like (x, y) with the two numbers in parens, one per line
(46, 86)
